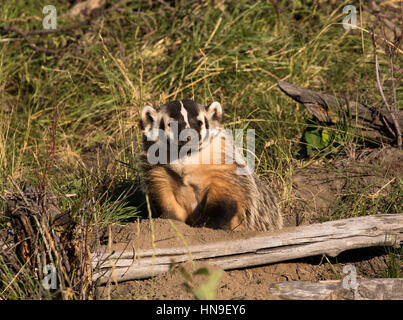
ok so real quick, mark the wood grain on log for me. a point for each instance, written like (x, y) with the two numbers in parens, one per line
(328, 238)
(366, 289)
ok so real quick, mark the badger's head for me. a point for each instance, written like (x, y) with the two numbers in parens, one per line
(180, 123)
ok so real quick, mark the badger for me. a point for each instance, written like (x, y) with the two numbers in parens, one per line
(196, 175)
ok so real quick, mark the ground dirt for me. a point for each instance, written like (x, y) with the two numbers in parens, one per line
(315, 189)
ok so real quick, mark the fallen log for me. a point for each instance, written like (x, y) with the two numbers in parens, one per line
(366, 289)
(329, 238)
(372, 123)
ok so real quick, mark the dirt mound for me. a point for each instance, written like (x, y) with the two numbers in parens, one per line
(250, 283)
(167, 233)
(319, 188)
(316, 188)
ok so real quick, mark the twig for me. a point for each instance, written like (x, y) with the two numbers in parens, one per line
(397, 133)
(51, 154)
(26, 35)
(394, 104)
(58, 30)
(378, 80)
(30, 43)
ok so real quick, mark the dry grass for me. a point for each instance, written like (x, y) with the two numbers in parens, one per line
(137, 52)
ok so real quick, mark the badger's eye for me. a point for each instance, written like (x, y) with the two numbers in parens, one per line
(199, 123)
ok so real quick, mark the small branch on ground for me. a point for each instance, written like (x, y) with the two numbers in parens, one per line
(393, 108)
(29, 41)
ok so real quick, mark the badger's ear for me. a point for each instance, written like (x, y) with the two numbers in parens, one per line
(214, 112)
(148, 116)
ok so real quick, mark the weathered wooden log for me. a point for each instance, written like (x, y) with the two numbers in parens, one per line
(328, 238)
(372, 123)
(365, 289)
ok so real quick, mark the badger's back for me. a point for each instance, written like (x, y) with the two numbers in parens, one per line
(263, 211)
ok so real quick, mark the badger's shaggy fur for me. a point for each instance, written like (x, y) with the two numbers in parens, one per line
(211, 194)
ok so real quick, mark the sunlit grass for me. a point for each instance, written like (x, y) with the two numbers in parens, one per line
(232, 52)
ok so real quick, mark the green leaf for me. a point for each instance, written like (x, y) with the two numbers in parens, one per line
(203, 271)
(185, 274)
(326, 137)
(317, 139)
(207, 291)
(186, 287)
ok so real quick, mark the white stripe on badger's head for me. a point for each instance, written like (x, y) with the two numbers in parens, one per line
(185, 115)
(203, 127)
(184, 122)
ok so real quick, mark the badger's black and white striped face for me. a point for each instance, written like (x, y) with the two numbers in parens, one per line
(181, 121)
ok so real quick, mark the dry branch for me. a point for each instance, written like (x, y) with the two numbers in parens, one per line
(29, 41)
(367, 289)
(372, 123)
(328, 238)
(43, 235)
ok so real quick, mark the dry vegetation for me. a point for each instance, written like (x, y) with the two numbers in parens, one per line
(70, 100)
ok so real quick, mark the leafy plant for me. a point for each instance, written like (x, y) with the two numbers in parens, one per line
(317, 139)
(205, 291)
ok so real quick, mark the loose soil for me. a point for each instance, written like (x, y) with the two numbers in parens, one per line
(315, 189)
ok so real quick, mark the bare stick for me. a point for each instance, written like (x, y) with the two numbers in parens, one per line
(394, 104)
(30, 43)
(378, 78)
(397, 132)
